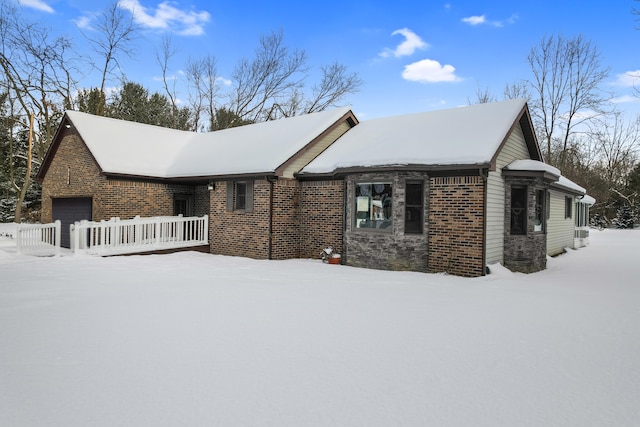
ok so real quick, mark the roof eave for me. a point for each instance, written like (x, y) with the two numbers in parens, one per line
(452, 169)
(196, 179)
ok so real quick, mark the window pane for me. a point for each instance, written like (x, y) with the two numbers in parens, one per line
(540, 211)
(568, 202)
(413, 208)
(518, 211)
(241, 195)
(373, 205)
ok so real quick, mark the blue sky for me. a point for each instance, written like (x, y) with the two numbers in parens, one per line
(412, 56)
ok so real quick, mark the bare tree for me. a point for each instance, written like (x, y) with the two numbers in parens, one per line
(267, 79)
(617, 142)
(163, 56)
(36, 75)
(566, 78)
(517, 90)
(203, 88)
(272, 84)
(335, 85)
(113, 37)
(483, 96)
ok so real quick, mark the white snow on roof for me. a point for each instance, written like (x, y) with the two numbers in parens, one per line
(123, 147)
(570, 185)
(533, 165)
(588, 200)
(463, 136)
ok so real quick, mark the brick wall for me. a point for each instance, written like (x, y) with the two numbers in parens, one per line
(240, 233)
(74, 173)
(321, 214)
(286, 220)
(456, 225)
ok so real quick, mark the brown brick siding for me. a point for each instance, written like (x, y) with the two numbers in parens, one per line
(307, 217)
(285, 241)
(240, 233)
(322, 217)
(72, 173)
(456, 225)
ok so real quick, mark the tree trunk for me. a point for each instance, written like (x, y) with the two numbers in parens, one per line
(27, 178)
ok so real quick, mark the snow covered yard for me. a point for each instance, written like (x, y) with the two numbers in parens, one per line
(193, 339)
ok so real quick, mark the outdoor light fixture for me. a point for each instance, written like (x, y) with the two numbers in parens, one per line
(211, 186)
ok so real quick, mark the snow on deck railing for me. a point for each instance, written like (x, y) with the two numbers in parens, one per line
(39, 239)
(117, 237)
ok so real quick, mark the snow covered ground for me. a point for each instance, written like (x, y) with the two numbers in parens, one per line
(193, 339)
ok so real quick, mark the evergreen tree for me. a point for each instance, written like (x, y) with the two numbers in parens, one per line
(625, 217)
(224, 118)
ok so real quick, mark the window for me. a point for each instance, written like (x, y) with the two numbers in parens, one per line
(519, 210)
(568, 205)
(538, 224)
(240, 196)
(183, 205)
(414, 202)
(373, 205)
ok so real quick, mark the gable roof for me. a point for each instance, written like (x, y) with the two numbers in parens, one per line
(465, 137)
(123, 148)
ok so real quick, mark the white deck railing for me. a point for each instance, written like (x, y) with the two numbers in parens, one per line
(38, 239)
(116, 237)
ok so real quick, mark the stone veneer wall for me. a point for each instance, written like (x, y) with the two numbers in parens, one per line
(74, 173)
(386, 250)
(526, 253)
(321, 217)
(456, 219)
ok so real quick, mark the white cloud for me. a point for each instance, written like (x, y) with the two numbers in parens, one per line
(83, 22)
(625, 99)
(429, 71)
(628, 79)
(167, 17)
(37, 4)
(225, 82)
(475, 20)
(411, 43)
(482, 19)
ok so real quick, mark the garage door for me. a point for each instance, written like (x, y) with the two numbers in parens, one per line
(69, 211)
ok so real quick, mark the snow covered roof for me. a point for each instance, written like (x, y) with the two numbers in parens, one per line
(468, 135)
(128, 148)
(537, 166)
(566, 183)
(533, 165)
(588, 200)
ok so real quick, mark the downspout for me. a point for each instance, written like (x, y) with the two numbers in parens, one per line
(344, 221)
(485, 179)
(270, 232)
